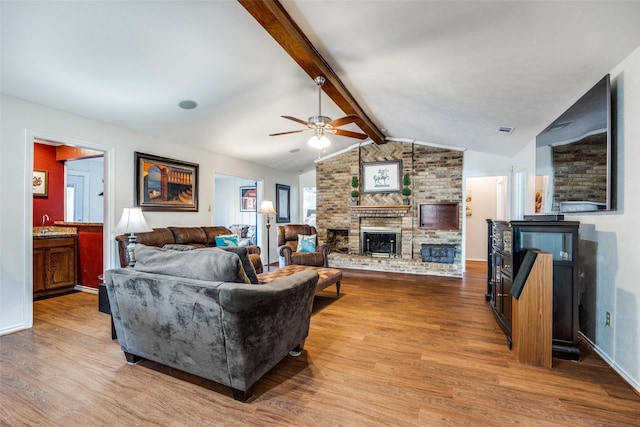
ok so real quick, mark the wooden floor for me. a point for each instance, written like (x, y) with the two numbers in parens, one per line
(401, 350)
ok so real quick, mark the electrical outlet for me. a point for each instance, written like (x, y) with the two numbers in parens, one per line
(608, 321)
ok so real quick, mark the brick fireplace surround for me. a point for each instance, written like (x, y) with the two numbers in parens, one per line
(436, 176)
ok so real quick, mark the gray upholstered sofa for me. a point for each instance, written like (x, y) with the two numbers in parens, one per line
(172, 308)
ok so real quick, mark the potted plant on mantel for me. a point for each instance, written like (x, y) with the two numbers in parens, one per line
(406, 191)
(354, 193)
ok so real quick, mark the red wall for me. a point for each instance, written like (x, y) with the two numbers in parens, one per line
(89, 255)
(44, 158)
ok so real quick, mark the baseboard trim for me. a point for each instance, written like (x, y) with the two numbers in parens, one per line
(87, 289)
(618, 370)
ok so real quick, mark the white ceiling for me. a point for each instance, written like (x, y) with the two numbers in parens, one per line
(440, 72)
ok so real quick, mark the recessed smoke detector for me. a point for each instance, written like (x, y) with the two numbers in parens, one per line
(506, 130)
(187, 104)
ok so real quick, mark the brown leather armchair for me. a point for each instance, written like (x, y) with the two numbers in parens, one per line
(288, 246)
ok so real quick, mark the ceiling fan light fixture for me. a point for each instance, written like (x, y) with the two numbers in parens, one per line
(319, 141)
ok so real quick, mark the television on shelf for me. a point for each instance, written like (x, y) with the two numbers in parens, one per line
(574, 162)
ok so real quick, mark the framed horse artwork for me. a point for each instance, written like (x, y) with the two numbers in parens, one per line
(381, 177)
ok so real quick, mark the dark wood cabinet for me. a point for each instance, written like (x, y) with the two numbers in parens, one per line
(54, 265)
(507, 245)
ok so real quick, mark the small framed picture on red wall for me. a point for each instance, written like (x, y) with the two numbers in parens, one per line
(40, 183)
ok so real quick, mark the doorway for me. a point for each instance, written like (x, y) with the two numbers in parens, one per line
(486, 198)
(74, 199)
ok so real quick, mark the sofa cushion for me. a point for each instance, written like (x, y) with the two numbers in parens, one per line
(213, 231)
(306, 243)
(210, 264)
(247, 265)
(184, 235)
(228, 240)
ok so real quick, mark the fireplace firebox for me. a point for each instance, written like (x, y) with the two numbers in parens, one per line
(380, 241)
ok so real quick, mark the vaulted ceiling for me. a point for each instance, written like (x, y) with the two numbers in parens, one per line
(449, 73)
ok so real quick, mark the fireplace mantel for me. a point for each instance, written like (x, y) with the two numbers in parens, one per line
(379, 211)
(381, 207)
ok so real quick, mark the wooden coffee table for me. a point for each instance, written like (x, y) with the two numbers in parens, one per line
(327, 276)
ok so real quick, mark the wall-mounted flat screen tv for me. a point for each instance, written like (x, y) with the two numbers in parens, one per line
(574, 157)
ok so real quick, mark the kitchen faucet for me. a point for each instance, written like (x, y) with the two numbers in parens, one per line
(45, 217)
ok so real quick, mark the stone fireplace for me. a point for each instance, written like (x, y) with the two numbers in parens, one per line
(436, 181)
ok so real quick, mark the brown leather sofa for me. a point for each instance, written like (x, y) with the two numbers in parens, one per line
(288, 246)
(198, 237)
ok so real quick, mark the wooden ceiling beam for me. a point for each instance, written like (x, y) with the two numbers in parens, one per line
(277, 22)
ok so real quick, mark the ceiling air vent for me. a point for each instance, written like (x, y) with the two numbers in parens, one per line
(505, 130)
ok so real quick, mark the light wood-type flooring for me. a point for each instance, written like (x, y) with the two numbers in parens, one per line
(393, 350)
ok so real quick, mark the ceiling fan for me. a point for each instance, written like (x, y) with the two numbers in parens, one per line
(322, 124)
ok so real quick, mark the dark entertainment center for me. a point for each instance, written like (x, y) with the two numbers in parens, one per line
(507, 245)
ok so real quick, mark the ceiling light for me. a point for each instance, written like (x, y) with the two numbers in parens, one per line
(187, 104)
(319, 141)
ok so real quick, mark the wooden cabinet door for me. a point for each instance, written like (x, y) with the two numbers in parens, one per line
(39, 270)
(61, 267)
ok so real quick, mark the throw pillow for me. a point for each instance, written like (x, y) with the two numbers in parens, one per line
(247, 265)
(228, 240)
(306, 243)
(209, 264)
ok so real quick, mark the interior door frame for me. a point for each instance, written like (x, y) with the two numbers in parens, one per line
(31, 136)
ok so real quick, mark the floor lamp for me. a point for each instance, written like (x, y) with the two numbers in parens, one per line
(266, 208)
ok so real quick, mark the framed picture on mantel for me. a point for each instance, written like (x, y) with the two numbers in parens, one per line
(381, 177)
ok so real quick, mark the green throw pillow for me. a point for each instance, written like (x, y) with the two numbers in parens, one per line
(306, 243)
(228, 240)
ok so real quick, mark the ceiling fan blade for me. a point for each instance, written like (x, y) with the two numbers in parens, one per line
(291, 131)
(349, 134)
(296, 120)
(344, 120)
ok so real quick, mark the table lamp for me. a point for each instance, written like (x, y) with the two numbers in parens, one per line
(132, 221)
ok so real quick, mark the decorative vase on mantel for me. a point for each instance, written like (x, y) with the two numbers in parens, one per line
(354, 201)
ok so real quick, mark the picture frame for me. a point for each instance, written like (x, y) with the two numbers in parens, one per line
(248, 199)
(283, 203)
(40, 183)
(164, 184)
(381, 177)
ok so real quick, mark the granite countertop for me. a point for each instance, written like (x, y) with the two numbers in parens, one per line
(75, 224)
(53, 232)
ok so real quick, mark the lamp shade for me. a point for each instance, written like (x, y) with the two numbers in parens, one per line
(132, 221)
(266, 208)
(319, 141)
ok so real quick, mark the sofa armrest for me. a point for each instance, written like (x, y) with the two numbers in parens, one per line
(262, 323)
(253, 249)
(285, 252)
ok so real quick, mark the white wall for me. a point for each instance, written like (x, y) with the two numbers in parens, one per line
(228, 201)
(483, 207)
(20, 119)
(615, 234)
